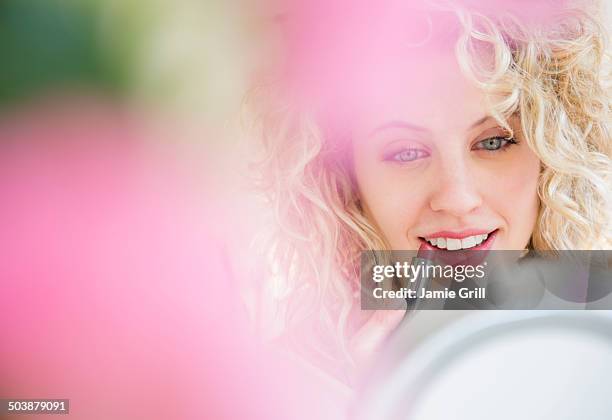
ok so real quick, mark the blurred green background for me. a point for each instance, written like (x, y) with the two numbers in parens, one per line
(58, 44)
(185, 54)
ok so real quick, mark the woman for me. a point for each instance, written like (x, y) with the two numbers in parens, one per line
(420, 125)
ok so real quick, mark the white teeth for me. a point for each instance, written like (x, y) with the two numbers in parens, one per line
(453, 244)
(468, 242)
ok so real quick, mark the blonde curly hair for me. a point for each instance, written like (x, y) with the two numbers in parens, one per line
(555, 76)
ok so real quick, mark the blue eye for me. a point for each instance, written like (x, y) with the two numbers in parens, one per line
(407, 155)
(494, 143)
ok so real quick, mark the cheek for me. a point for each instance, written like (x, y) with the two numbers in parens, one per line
(514, 197)
(392, 209)
(389, 200)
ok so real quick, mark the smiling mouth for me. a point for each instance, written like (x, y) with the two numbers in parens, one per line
(458, 244)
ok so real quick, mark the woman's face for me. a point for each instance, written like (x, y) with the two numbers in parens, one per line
(431, 164)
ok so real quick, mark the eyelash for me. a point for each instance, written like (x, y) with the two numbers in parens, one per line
(393, 156)
(509, 141)
(420, 154)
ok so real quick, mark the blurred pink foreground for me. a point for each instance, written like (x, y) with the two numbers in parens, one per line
(114, 291)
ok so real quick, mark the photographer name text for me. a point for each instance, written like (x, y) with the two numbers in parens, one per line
(405, 293)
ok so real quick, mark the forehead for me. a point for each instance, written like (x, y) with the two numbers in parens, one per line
(426, 89)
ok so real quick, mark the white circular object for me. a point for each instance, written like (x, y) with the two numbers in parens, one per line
(498, 365)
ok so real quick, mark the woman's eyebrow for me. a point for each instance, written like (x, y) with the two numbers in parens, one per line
(480, 121)
(398, 124)
(414, 127)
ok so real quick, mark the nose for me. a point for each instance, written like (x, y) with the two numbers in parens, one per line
(455, 189)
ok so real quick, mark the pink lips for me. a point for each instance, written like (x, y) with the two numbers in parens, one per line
(457, 235)
(471, 256)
